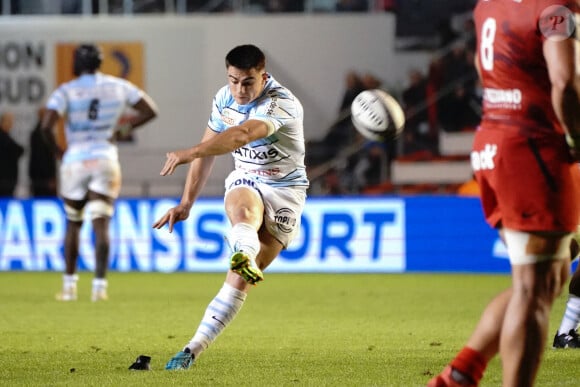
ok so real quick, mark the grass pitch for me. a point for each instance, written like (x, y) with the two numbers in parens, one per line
(294, 330)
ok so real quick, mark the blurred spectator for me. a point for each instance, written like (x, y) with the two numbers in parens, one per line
(468, 34)
(332, 183)
(369, 81)
(418, 134)
(434, 82)
(342, 132)
(457, 86)
(469, 95)
(41, 164)
(372, 166)
(354, 85)
(445, 32)
(10, 153)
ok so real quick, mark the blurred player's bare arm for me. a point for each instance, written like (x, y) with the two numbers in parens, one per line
(49, 119)
(146, 110)
(560, 60)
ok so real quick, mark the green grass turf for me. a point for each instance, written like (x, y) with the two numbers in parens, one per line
(294, 330)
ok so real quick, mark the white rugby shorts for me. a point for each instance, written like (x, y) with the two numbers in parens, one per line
(283, 206)
(102, 176)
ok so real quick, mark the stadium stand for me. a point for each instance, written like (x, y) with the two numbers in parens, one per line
(436, 163)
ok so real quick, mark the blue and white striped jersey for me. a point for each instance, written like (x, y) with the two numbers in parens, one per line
(278, 159)
(92, 104)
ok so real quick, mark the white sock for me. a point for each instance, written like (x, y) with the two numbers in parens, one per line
(571, 315)
(219, 313)
(244, 237)
(69, 281)
(99, 284)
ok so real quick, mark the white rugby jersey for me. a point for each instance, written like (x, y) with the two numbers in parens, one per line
(278, 159)
(93, 104)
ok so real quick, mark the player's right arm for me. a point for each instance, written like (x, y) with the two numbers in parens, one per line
(199, 171)
(560, 60)
(49, 119)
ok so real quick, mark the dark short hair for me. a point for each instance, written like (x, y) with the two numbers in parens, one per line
(246, 57)
(87, 58)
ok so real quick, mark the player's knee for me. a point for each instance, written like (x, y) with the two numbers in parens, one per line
(73, 214)
(100, 209)
(544, 248)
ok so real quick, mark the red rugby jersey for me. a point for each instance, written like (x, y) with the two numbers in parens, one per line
(510, 35)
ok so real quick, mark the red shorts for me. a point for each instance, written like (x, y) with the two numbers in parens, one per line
(528, 180)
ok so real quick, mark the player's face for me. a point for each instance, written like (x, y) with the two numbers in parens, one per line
(246, 85)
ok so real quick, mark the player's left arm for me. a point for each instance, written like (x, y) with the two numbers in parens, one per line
(476, 63)
(560, 61)
(146, 109)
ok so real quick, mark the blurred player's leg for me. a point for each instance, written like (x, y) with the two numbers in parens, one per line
(567, 335)
(103, 189)
(102, 247)
(71, 251)
(524, 310)
(69, 288)
(467, 368)
(526, 320)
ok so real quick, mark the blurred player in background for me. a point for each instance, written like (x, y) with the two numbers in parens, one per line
(260, 122)
(567, 334)
(10, 154)
(524, 160)
(90, 173)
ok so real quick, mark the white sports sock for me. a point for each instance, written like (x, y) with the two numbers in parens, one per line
(69, 281)
(99, 283)
(571, 315)
(244, 237)
(219, 313)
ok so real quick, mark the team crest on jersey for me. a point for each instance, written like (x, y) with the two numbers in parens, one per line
(232, 117)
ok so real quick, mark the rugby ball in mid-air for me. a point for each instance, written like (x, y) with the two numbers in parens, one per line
(377, 116)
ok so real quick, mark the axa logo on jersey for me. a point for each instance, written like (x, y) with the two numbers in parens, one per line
(484, 159)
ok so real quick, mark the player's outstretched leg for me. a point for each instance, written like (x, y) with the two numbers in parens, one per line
(181, 361)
